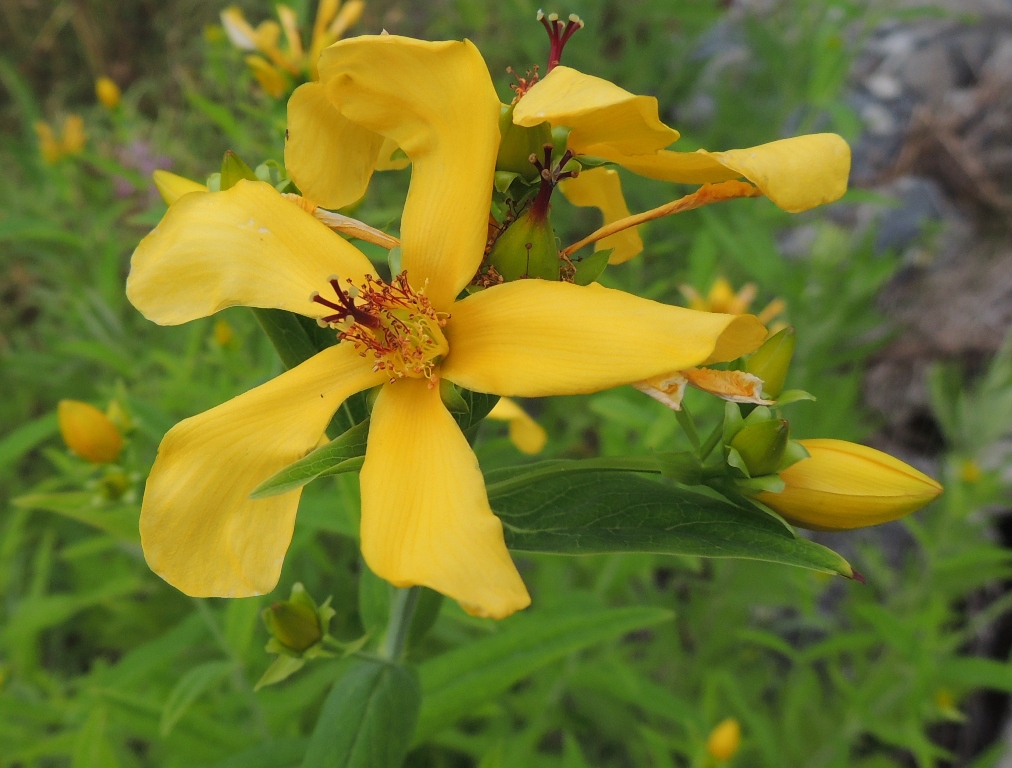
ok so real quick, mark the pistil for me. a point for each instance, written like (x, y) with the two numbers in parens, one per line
(550, 175)
(559, 34)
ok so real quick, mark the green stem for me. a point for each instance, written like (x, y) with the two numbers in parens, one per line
(687, 424)
(711, 441)
(402, 610)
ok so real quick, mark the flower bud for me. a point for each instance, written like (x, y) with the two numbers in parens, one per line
(234, 170)
(724, 739)
(108, 92)
(172, 187)
(772, 361)
(762, 445)
(844, 485)
(518, 144)
(527, 249)
(88, 432)
(295, 622)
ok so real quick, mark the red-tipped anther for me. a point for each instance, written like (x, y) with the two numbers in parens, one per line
(558, 34)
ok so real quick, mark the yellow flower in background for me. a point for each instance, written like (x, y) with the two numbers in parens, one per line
(425, 514)
(88, 432)
(108, 93)
(527, 435)
(70, 142)
(724, 740)
(723, 298)
(272, 61)
(845, 485)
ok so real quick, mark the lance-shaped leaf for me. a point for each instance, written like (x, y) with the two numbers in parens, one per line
(342, 454)
(577, 513)
(368, 717)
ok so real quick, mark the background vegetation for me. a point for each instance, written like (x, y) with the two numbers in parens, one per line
(102, 664)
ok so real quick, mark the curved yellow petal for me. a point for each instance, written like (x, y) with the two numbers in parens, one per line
(239, 31)
(601, 188)
(247, 246)
(271, 79)
(597, 111)
(533, 338)
(387, 161)
(437, 102)
(796, 174)
(525, 433)
(200, 531)
(844, 485)
(330, 158)
(425, 514)
(172, 187)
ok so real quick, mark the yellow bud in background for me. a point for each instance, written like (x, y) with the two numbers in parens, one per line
(724, 739)
(172, 187)
(270, 77)
(970, 472)
(844, 485)
(223, 333)
(48, 144)
(527, 435)
(108, 92)
(88, 432)
(74, 137)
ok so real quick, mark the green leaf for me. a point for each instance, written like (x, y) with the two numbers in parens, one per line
(427, 610)
(576, 513)
(367, 719)
(339, 455)
(976, 672)
(793, 396)
(591, 268)
(478, 407)
(16, 444)
(280, 669)
(91, 747)
(287, 335)
(280, 753)
(456, 683)
(189, 688)
(119, 521)
(373, 602)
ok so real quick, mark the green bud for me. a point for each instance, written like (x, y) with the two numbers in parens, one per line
(761, 445)
(772, 361)
(295, 623)
(517, 144)
(527, 249)
(234, 170)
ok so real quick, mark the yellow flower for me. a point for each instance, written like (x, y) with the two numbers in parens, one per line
(88, 432)
(725, 739)
(71, 141)
(332, 22)
(425, 513)
(107, 92)
(527, 435)
(723, 298)
(844, 485)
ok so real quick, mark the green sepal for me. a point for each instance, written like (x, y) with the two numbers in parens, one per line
(758, 415)
(735, 461)
(234, 170)
(280, 669)
(560, 138)
(451, 397)
(772, 361)
(761, 445)
(340, 455)
(513, 259)
(503, 180)
(592, 267)
(518, 143)
(214, 182)
(793, 453)
(771, 483)
(733, 421)
(793, 396)
(394, 260)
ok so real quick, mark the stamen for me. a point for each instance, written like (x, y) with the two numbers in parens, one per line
(558, 34)
(551, 175)
(522, 84)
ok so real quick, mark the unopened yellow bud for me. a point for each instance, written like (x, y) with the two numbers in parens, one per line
(88, 432)
(223, 333)
(172, 187)
(74, 137)
(969, 471)
(724, 739)
(108, 92)
(844, 485)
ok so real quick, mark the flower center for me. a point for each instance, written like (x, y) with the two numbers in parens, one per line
(391, 321)
(550, 176)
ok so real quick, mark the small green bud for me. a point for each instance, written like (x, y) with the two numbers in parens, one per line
(772, 361)
(234, 170)
(517, 144)
(295, 622)
(761, 445)
(527, 249)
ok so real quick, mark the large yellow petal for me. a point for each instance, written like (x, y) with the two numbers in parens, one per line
(247, 246)
(199, 529)
(425, 514)
(796, 174)
(601, 188)
(533, 338)
(597, 112)
(330, 158)
(437, 102)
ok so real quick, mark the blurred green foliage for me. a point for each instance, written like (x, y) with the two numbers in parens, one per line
(624, 660)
